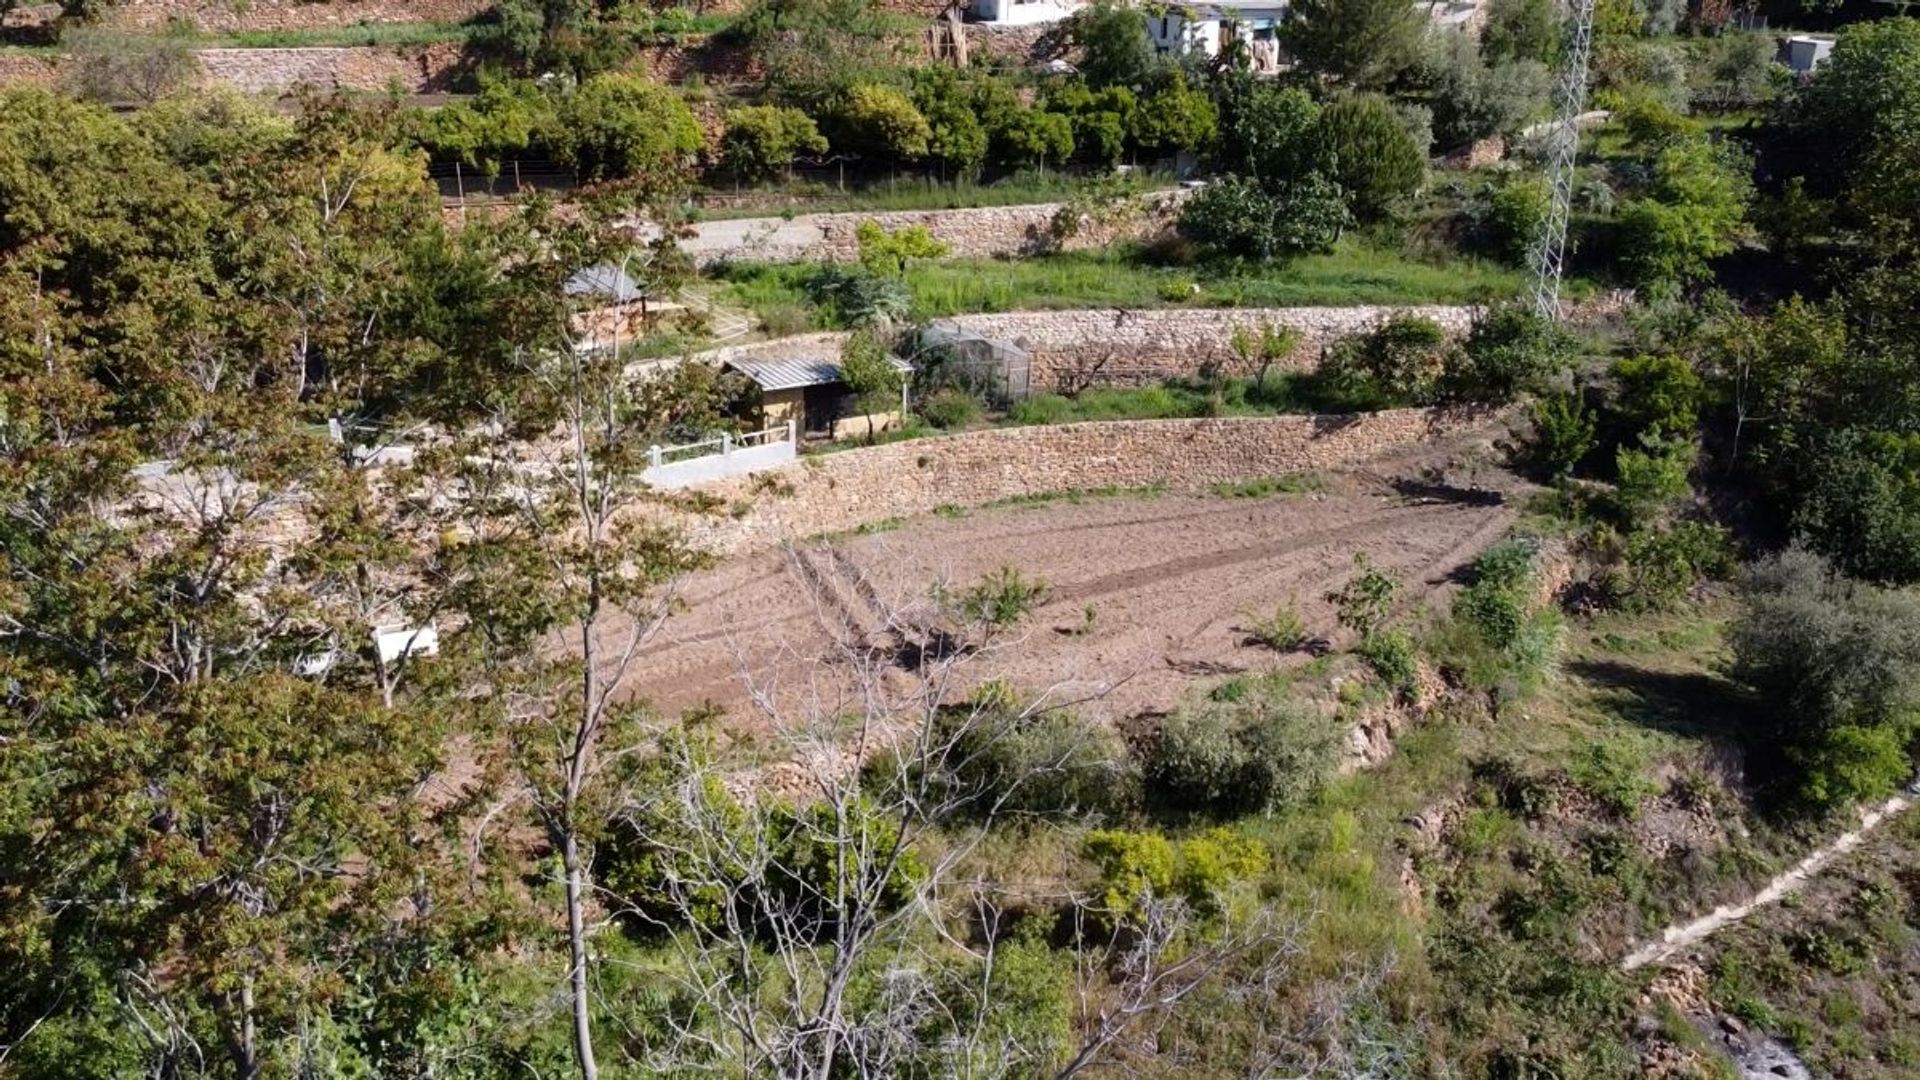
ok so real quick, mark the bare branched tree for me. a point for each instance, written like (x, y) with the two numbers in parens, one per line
(820, 915)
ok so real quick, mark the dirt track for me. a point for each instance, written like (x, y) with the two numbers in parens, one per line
(1170, 582)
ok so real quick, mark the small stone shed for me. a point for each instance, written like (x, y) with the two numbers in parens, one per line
(811, 393)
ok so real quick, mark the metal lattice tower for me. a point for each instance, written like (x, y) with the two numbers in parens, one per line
(1563, 141)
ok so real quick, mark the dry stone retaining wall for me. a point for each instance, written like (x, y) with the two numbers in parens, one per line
(846, 490)
(974, 233)
(231, 15)
(414, 69)
(424, 69)
(1072, 349)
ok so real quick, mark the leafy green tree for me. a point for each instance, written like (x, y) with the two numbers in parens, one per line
(1861, 504)
(959, 138)
(1364, 44)
(625, 127)
(1111, 38)
(505, 120)
(866, 367)
(1473, 100)
(1695, 211)
(1520, 30)
(1513, 215)
(1370, 154)
(1033, 137)
(883, 123)
(1175, 117)
(1563, 435)
(1246, 219)
(1833, 665)
(1267, 132)
(1101, 119)
(761, 141)
(1857, 131)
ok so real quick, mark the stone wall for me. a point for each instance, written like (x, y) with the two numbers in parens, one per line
(415, 70)
(1074, 349)
(976, 233)
(231, 15)
(836, 492)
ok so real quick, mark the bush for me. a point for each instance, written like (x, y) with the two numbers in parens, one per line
(1514, 213)
(1283, 631)
(855, 296)
(1696, 210)
(1562, 436)
(1364, 602)
(1136, 867)
(119, 69)
(761, 141)
(1652, 478)
(1397, 363)
(1256, 754)
(950, 408)
(1006, 757)
(1659, 395)
(1392, 656)
(1663, 565)
(1822, 655)
(1848, 764)
(1509, 351)
(1861, 505)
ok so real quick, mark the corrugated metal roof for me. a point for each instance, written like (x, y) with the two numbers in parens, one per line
(795, 372)
(606, 282)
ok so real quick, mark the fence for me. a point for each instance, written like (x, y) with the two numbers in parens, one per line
(710, 459)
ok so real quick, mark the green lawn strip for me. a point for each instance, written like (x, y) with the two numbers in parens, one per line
(1118, 278)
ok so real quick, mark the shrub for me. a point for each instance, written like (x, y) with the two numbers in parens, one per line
(999, 599)
(1006, 757)
(1136, 867)
(1652, 477)
(1364, 602)
(1283, 631)
(888, 253)
(1562, 436)
(1823, 654)
(1515, 212)
(1398, 362)
(1509, 351)
(1696, 208)
(1861, 504)
(855, 296)
(1392, 656)
(950, 408)
(1657, 394)
(1664, 564)
(1849, 763)
(761, 141)
(1254, 754)
(117, 68)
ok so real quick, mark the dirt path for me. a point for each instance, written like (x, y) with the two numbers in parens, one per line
(1679, 937)
(1143, 593)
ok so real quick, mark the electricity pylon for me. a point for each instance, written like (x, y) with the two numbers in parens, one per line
(1563, 141)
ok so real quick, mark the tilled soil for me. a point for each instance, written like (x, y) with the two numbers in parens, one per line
(1144, 593)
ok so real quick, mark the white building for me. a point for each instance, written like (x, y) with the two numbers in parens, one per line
(1205, 28)
(1021, 12)
(1805, 53)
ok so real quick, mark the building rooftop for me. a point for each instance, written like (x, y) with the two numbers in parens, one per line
(797, 372)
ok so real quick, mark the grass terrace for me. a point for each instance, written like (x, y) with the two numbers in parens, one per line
(1354, 274)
